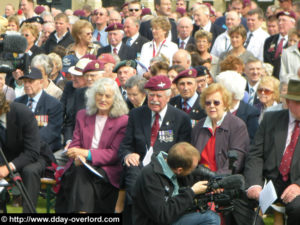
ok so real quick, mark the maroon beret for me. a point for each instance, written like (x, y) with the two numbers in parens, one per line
(124, 5)
(114, 26)
(146, 11)
(79, 13)
(158, 83)
(180, 10)
(107, 58)
(89, 56)
(287, 13)
(192, 73)
(39, 9)
(94, 65)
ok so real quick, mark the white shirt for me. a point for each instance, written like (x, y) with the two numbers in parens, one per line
(168, 49)
(162, 114)
(117, 47)
(207, 27)
(257, 41)
(99, 126)
(222, 44)
(35, 100)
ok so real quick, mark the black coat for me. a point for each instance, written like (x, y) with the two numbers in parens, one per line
(145, 30)
(125, 52)
(270, 47)
(215, 30)
(196, 112)
(190, 41)
(51, 43)
(35, 50)
(137, 44)
(49, 112)
(138, 133)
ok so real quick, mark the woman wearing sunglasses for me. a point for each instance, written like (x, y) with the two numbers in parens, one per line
(268, 94)
(220, 132)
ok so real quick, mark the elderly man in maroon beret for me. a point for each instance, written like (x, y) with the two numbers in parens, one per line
(115, 35)
(151, 129)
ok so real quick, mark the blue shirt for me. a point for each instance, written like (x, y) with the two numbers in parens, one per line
(103, 37)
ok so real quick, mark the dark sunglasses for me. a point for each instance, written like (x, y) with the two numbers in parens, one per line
(131, 10)
(214, 102)
(264, 90)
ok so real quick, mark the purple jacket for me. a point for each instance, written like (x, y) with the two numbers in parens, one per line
(106, 155)
(231, 135)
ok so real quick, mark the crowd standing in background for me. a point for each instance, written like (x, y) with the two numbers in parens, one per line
(116, 87)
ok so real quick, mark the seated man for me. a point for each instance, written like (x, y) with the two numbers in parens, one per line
(158, 198)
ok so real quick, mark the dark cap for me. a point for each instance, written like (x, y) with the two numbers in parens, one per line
(34, 74)
(107, 58)
(287, 13)
(34, 19)
(190, 73)
(158, 83)
(114, 26)
(130, 63)
(68, 61)
(293, 92)
(201, 71)
(94, 65)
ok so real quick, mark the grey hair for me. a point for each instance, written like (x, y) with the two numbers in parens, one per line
(44, 61)
(185, 18)
(136, 81)
(119, 107)
(202, 8)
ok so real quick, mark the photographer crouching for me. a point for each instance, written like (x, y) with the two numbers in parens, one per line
(166, 188)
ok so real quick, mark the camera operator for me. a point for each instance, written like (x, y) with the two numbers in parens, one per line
(166, 188)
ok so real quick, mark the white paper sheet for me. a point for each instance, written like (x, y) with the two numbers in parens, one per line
(147, 158)
(267, 196)
(91, 168)
(3, 183)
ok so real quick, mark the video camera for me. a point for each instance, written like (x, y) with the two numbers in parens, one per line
(12, 53)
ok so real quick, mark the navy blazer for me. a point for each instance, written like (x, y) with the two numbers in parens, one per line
(138, 132)
(49, 130)
(190, 41)
(137, 44)
(125, 52)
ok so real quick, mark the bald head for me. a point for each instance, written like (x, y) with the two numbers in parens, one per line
(232, 19)
(182, 58)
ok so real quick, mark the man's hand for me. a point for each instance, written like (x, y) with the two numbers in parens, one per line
(3, 172)
(78, 162)
(75, 152)
(132, 159)
(290, 193)
(200, 187)
(253, 192)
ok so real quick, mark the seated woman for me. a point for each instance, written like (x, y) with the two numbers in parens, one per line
(98, 133)
(220, 131)
(268, 94)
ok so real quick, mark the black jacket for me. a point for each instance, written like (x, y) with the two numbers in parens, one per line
(137, 44)
(51, 42)
(125, 52)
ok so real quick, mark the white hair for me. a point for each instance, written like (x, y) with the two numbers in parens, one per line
(233, 82)
(119, 107)
(202, 8)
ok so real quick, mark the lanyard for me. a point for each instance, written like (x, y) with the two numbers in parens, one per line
(154, 53)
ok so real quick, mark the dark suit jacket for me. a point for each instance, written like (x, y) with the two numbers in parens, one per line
(270, 47)
(215, 30)
(232, 134)
(51, 43)
(265, 154)
(51, 130)
(256, 99)
(249, 115)
(145, 30)
(35, 50)
(137, 44)
(125, 52)
(22, 136)
(190, 41)
(138, 133)
(196, 113)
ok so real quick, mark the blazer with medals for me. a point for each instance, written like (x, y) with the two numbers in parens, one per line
(175, 126)
(265, 154)
(48, 113)
(125, 52)
(196, 113)
(137, 44)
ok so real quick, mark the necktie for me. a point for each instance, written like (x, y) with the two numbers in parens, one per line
(29, 104)
(251, 93)
(115, 51)
(124, 93)
(181, 45)
(128, 41)
(286, 160)
(248, 40)
(155, 129)
(186, 107)
(279, 48)
(98, 36)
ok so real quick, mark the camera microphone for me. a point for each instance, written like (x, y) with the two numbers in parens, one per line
(14, 43)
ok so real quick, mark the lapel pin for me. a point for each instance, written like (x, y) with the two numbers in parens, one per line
(167, 123)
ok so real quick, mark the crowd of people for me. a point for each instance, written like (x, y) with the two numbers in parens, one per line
(145, 98)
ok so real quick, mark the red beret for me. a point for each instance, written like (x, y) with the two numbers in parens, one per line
(192, 73)
(124, 5)
(114, 26)
(287, 13)
(39, 9)
(158, 83)
(94, 65)
(107, 58)
(146, 11)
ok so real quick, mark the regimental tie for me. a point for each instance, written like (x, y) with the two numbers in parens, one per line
(115, 51)
(98, 36)
(248, 40)
(286, 160)
(251, 98)
(181, 45)
(128, 41)
(29, 103)
(186, 107)
(154, 129)
(279, 48)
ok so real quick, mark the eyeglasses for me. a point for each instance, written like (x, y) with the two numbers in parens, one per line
(26, 35)
(214, 102)
(131, 10)
(98, 14)
(265, 91)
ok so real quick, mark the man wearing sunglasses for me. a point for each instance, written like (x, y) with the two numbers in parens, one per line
(101, 18)
(135, 9)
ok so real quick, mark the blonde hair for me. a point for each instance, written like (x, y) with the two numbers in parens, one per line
(161, 22)
(266, 80)
(77, 28)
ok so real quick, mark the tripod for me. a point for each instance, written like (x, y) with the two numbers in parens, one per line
(16, 179)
